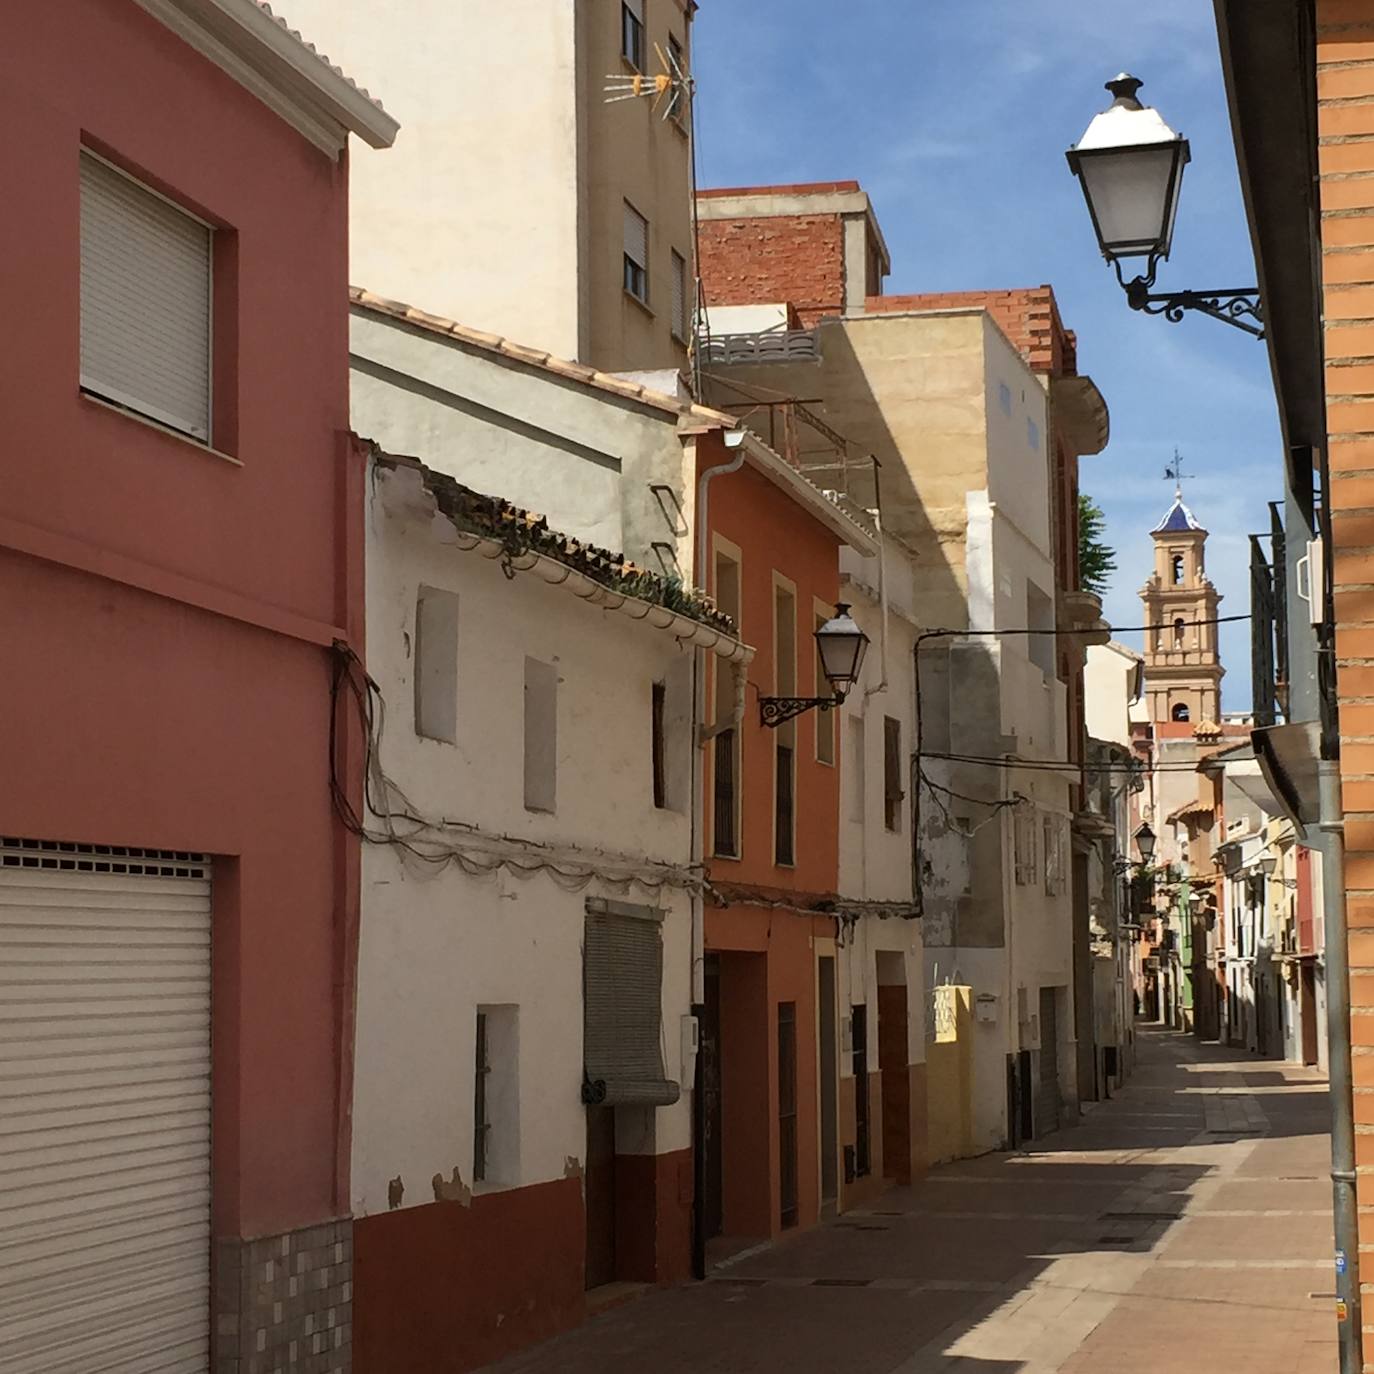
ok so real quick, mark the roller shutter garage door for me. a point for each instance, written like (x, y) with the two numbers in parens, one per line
(104, 1110)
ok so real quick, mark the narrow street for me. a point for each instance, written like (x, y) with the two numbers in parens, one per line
(1185, 1224)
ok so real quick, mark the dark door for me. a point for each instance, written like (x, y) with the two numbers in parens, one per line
(600, 1184)
(709, 1068)
(829, 1085)
(1308, 1012)
(787, 1112)
(862, 1149)
(896, 1081)
(1049, 1064)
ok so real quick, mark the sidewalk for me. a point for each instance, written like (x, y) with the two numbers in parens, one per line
(1186, 1224)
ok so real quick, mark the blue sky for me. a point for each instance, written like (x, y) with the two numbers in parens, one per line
(954, 118)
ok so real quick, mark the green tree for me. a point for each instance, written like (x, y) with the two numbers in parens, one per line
(1096, 558)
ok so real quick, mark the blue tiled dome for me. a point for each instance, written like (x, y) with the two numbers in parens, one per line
(1178, 520)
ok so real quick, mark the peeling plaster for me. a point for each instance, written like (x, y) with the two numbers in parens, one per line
(454, 1190)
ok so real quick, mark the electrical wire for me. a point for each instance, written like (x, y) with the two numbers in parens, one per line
(434, 844)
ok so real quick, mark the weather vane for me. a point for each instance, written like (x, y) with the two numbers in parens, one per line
(671, 84)
(1173, 472)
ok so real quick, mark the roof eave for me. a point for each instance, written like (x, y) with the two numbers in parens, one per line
(1268, 64)
(247, 42)
(782, 474)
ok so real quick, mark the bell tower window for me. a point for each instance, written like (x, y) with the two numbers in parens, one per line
(1176, 564)
(1180, 712)
(1179, 625)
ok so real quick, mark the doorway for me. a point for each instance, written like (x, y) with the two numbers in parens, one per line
(829, 1069)
(709, 1068)
(600, 1194)
(787, 1114)
(1308, 1013)
(894, 1074)
(1049, 1063)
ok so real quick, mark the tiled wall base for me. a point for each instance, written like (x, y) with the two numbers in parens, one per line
(283, 1304)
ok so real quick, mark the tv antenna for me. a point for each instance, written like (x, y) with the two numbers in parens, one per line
(669, 88)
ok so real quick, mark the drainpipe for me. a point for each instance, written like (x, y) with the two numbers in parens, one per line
(1346, 1216)
(734, 439)
(882, 588)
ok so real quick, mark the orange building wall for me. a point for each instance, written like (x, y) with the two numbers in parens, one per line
(767, 948)
(1345, 127)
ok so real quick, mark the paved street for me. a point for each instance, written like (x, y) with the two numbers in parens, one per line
(1183, 1225)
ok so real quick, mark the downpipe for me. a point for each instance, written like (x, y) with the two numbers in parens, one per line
(1344, 1205)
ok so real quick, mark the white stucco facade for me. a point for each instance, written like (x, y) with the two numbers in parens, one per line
(442, 941)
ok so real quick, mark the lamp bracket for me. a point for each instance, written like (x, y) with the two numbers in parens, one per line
(775, 710)
(1235, 305)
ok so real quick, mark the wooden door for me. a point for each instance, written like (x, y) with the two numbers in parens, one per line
(896, 1082)
(599, 1179)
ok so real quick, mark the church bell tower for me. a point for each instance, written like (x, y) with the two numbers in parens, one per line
(1183, 669)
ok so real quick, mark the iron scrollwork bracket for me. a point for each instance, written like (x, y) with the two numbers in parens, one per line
(1237, 306)
(775, 710)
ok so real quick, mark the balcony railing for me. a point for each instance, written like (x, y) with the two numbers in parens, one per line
(775, 346)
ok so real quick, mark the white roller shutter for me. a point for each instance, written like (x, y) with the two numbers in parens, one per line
(104, 1111)
(636, 237)
(145, 300)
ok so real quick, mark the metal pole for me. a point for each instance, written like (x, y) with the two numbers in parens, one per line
(1331, 825)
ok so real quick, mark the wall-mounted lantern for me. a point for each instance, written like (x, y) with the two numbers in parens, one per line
(841, 645)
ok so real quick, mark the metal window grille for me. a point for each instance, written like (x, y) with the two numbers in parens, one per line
(892, 773)
(636, 254)
(724, 795)
(862, 1132)
(481, 1125)
(657, 706)
(783, 847)
(1024, 834)
(787, 1112)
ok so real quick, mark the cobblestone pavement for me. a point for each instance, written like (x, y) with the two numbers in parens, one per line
(1182, 1226)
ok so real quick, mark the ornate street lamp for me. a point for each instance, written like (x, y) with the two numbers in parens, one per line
(1145, 842)
(841, 645)
(1130, 164)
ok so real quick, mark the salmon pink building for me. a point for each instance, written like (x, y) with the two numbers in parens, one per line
(180, 553)
(772, 1125)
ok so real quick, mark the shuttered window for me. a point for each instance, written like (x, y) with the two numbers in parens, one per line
(145, 301)
(636, 254)
(892, 773)
(622, 977)
(632, 32)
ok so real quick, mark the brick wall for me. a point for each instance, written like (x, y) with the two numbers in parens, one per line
(794, 258)
(1028, 316)
(1345, 127)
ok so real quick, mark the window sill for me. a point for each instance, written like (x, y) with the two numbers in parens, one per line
(90, 398)
(643, 305)
(726, 858)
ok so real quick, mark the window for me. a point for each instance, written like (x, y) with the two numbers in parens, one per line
(632, 33)
(785, 736)
(725, 770)
(892, 773)
(827, 722)
(1180, 712)
(541, 735)
(481, 1123)
(622, 1007)
(1179, 626)
(1053, 837)
(636, 254)
(1024, 835)
(1176, 569)
(677, 64)
(854, 768)
(145, 301)
(679, 296)
(657, 703)
(495, 1096)
(436, 665)
(1040, 616)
